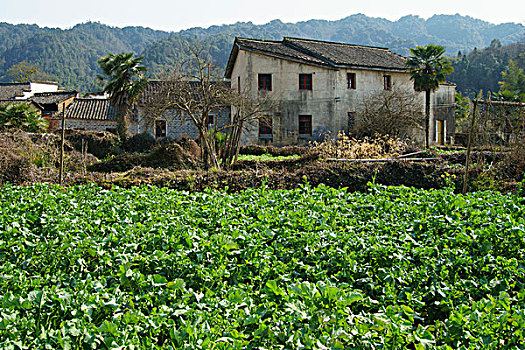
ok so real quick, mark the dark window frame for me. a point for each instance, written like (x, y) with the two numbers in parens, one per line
(305, 125)
(265, 126)
(163, 129)
(351, 81)
(264, 82)
(306, 82)
(387, 82)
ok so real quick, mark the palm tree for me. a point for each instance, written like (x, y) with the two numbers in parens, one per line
(126, 80)
(428, 68)
(22, 116)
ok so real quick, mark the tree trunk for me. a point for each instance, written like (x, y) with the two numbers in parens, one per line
(427, 118)
(123, 123)
(208, 150)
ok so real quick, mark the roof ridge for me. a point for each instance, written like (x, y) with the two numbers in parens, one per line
(336, 43)
(61, 92)
(259, 40)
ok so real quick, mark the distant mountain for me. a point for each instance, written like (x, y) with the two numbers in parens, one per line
(70, 56)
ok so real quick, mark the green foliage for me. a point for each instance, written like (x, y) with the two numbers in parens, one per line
(427, 66)
(23, 72)
(21, 116)
(125, 81)
(513, 84)
(482, 69)
(266, 157)
(151, 268)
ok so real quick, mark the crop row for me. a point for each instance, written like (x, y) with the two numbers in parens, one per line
(311, 268)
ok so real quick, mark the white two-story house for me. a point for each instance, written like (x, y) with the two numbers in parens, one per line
(320, 85)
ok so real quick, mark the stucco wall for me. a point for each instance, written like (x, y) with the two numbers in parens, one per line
(443, 105)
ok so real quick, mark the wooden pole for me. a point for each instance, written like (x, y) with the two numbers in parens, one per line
(62, 141)
(469, 148)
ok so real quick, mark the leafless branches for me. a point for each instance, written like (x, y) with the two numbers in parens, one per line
(397, 113)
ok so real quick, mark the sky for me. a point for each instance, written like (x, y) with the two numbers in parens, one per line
(177, 15)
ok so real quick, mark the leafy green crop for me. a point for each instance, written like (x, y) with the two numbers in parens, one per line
(312, 268)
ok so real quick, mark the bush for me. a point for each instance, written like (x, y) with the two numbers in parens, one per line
(23, 117)
(258, 150)
(373, 148)
(101, 144)
(139, 143)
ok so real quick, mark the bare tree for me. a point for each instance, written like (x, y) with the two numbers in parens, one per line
(397, 113)
(192, 92)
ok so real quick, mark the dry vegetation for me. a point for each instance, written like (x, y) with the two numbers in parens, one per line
(344, 146)
(27, 158)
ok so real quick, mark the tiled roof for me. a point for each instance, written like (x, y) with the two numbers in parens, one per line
(327, 54)
(156, 86)
(91, 109)
(53, 97)
(8, 91)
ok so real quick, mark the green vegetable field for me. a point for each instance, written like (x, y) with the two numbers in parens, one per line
(312, 268)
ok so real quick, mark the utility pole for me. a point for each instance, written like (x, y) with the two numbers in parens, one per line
(62, 141)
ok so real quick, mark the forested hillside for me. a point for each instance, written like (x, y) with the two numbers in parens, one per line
(70, 56)
(482, 69)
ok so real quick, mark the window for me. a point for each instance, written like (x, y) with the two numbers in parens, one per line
(305, 125)
(211, 120)
(265, 126)
(305, 82)
(350, 78)
(160, 128)
(239, 84)
(265, 82)
(387, 82)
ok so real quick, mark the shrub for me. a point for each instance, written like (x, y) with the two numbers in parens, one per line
(139, 143)
(101, 144)
(21, 116)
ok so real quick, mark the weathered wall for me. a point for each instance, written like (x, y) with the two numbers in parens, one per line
(96, 125)
(181, 126)
(443, 105)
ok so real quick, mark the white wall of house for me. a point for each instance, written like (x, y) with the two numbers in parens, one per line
(39, 88)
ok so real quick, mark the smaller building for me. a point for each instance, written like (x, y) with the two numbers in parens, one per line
(174, 124)
(45, 97)
(24, 91)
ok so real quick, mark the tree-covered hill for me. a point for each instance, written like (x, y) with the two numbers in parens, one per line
(70, 56)
(482, 69)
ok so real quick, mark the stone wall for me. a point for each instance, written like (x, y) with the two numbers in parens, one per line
(178, 125)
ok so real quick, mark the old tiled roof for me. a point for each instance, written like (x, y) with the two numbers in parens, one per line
(53, 97)
(8, 91)
(156, 86)
(326, 54)
(91, 109)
